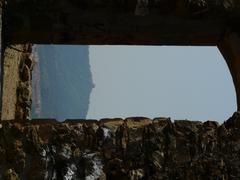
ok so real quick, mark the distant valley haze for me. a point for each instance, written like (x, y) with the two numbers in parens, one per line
(64, 78)
(94, 82)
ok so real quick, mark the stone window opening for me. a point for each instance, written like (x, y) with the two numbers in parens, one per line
(57, 55)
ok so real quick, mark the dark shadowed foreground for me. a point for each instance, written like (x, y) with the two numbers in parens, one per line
(134, 148)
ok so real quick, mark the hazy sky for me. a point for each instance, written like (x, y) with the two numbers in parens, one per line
(178, 82)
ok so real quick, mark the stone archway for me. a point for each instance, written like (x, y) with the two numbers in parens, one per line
(230, 49)
(175, 22)
(134, 148)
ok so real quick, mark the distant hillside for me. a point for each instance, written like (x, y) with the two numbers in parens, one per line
(62, 82)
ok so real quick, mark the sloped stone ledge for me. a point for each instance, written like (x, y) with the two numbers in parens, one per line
(134, 148)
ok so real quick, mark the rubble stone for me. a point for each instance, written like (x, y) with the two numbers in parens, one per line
(134, 149)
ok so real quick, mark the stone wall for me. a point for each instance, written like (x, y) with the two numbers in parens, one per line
(142, 22)
(16, 85)
(134, 148)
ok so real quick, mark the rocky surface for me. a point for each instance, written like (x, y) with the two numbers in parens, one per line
(16, 82)
(142, 22)
(134, 148)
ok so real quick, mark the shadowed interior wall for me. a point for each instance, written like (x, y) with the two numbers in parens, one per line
(134, 148)
(175, 22)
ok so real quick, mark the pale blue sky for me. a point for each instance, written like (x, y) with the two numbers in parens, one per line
(178, 82)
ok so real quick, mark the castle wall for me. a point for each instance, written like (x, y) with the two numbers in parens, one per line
(16, 84)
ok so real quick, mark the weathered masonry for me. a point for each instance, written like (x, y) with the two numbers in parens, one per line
(135, 148)
(133, 22)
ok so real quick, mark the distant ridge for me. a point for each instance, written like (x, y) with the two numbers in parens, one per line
(64, 78)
